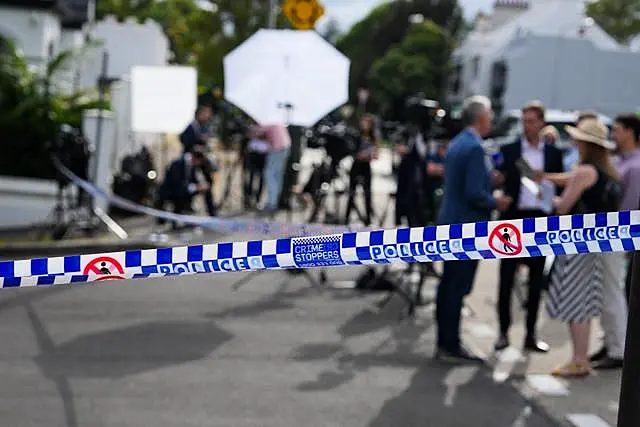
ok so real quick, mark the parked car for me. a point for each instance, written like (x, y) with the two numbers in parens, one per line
(509, 125)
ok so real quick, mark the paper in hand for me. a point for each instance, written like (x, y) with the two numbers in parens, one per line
(548, 191)
(525, 168)
(531, 186)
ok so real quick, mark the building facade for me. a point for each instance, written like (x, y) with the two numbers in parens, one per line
(547, 50)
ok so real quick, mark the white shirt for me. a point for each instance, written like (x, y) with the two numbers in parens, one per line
(535, 157)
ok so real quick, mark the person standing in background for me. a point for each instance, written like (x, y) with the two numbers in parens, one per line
(540, 156)
(277, 135)
(254, 163)
(626, 134)
(572, 156)
(196, 133)
(550, 135)
(360, 174)
(467, 198)
(577, 281)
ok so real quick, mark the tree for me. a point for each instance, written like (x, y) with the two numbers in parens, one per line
(123, 9)
(418, 64)
(332, 31)
(386, 26)
(198, 36)
(619, 18)
(32, 110)
(184, 22)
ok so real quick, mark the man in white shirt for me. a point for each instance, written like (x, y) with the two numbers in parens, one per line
(529, 202)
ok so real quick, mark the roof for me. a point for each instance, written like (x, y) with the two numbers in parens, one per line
(550, 18)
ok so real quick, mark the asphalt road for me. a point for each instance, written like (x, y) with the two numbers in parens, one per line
(212, 351)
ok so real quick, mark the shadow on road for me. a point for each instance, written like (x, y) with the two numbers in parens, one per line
(398, 349)
(10, 298)
(441, 395)
(121, 352)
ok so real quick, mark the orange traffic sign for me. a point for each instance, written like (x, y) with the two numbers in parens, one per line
(303, 14)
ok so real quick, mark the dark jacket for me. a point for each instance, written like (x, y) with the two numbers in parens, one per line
(191, 136)
(467, 185)
(177, 179)
(511, 153)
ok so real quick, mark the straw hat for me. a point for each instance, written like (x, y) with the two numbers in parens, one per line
(593, 131)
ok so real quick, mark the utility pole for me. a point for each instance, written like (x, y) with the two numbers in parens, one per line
(629, 409)
(273, 15)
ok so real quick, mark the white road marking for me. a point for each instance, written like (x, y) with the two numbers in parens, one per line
(507, 360)
(481, 330)
(548, 385)
(587, 420)
(455, 378)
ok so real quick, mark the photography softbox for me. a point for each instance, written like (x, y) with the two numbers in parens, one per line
(163, 99)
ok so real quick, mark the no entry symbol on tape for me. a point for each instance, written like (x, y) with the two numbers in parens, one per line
(505, 239)
(108, 268)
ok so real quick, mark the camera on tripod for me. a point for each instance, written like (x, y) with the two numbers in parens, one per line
(424, 115)
(73, 151)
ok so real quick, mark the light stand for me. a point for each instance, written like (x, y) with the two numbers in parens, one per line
(96, 214)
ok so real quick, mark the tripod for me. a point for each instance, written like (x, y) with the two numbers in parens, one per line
(67, 215)
(399, 282)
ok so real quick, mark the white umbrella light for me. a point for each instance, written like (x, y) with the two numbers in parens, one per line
(286, 76)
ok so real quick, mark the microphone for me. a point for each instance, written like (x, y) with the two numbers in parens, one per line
(527, 176)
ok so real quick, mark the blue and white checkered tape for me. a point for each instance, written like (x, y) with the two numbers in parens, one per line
(555, 235)
(233, 225)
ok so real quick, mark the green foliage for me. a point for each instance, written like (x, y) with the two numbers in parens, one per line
(198, 36)
(386, 26)
(619, 18)
(32, 109)
(419, 63)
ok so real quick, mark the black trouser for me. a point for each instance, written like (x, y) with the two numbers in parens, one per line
(254, 168)
(360, 175)
(180, 203)
(456, 282)
(508, 268)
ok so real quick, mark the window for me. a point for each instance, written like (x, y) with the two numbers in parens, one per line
(456, 79)
(475, 66)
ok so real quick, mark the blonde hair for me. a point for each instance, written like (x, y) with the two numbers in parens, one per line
(598, 156)
(550, 130)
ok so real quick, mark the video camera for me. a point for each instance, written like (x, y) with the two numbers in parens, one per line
(73, 150)
(338, 139)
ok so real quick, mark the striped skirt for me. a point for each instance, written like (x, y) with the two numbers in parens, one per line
(575, 287)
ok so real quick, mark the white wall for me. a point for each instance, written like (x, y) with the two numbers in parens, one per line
(127, 44)
(571, 74)
(32, 31)
(25, 202)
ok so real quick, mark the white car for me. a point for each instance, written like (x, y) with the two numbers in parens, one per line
(509, 126)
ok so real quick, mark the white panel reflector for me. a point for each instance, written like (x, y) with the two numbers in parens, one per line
(163, 99)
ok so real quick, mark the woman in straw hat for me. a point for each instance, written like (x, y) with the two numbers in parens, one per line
(575, 289)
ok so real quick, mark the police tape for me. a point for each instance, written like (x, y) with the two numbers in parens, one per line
(554, 235)
(232, 225)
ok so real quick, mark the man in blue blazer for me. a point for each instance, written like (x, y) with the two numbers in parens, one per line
(467, 198)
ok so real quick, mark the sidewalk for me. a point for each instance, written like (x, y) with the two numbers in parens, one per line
(142, 235)
(589, 402)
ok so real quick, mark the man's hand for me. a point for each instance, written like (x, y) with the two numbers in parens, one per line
(402, 149)
(503, 202)
(202, 188)
(497, 178)
(538, 175)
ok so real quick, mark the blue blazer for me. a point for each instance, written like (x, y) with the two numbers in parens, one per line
(467, 185)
